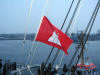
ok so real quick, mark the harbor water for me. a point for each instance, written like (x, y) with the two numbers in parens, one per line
(12, 50)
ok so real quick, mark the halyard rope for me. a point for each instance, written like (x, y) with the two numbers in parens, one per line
(72, 29)
(26, 30)
(61, 29)
(45, 6)
(71, 20)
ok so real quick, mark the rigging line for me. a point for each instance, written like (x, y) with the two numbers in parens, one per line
(90, 29)
(92, 20)
(82, 36)
(71, 20)
(45, 6)
(40, 22)
(64, 53)
(57, 55)
(34, 52)
(62, 59)
(73, 56)
(30, 10)
(30, 52)
(61, 29)
(29, 69)
(31, 72)
(33, 43)
(74, 13)
(67, 14)
(49, 6)
(27, 22)
(73, 26)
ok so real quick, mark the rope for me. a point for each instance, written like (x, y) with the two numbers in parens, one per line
(61, 29)
(74, 55)
(73, 26)
(62, 59)
(71, 20)
(34, 53)
(30, 52)
(28, 67)
(33, 43)
(74, 13)
(57, 55)
(91, 22)
(27, 22)
(36, 35)
(63, 55)
(82, 36)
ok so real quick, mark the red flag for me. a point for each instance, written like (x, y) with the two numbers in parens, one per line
(51, 35)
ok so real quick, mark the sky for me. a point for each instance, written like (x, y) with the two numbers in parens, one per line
(14, 15)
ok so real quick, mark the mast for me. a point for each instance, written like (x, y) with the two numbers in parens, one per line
(93, 17)
(84, 36)
(82, 43)
(82, 56)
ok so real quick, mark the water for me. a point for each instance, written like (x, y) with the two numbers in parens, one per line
(12, 49)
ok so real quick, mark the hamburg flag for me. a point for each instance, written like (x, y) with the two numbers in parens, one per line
(52, 36)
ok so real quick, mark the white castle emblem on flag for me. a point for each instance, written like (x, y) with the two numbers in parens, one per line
(54, 38)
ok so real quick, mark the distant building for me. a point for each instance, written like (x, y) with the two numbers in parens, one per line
(98, 32)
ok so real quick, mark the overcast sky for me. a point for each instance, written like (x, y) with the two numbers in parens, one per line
(13, 15)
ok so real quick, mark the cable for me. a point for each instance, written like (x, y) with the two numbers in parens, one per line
(61, 29)
(75, 19)
(29, 69)
(92, 22)
(46, 3)
(71, 20)
(82, 36)
(34, 52)
(27, 22)
(74, 55)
